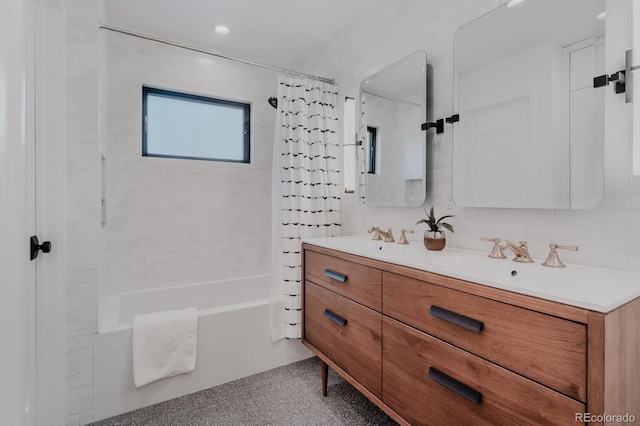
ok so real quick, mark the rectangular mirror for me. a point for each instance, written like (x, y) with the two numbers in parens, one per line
(531, 129)
(392, 145)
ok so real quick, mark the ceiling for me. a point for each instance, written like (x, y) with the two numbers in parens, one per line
(280, 33)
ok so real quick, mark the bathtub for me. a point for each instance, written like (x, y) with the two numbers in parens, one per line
(234, 341)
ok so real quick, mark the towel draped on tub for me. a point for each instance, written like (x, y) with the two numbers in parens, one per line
(164, 344)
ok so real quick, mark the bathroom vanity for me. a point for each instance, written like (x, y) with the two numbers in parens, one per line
(458, 338)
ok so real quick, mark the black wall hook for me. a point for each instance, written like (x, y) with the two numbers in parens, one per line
(618, 77)
(453, 119)
(439, 126)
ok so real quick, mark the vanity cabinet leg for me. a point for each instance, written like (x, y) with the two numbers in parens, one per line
(324, 371)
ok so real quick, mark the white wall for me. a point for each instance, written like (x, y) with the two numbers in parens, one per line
(607, 235)
(174, 221)
(83, 208)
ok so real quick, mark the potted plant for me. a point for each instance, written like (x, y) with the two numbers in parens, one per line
(434, 237)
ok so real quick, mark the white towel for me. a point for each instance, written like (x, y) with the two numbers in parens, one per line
(164, 344)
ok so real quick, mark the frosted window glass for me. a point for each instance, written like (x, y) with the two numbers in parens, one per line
(186, 126)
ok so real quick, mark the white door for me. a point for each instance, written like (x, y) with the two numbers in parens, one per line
(17, 216)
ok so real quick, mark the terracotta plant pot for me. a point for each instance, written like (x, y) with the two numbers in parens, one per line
(435, 240)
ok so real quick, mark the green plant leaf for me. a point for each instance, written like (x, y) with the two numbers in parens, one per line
(444, 217)
(434, 225)
(449, 227)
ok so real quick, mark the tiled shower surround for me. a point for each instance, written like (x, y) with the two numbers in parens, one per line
(174, 221)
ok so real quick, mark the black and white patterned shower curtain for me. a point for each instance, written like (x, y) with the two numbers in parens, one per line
(306, 189)
(361, 154)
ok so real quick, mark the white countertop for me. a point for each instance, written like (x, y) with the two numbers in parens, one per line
(598, 289)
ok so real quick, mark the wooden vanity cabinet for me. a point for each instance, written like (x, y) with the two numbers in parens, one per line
(430, 349)
(346, 332)
(427, 381)
(545, 348)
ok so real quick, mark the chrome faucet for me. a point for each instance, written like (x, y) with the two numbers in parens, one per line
(521, 251)
(379, 234)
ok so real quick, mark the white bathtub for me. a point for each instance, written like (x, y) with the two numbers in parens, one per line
(234, 341)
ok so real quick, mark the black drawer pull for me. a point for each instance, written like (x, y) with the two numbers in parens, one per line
(454, 385)
(335, 275)
(335, 317)
(461, 320)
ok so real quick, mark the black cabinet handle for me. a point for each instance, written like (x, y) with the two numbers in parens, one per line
(335, 317)
(335, 275)
(454, 385)
(461, 320)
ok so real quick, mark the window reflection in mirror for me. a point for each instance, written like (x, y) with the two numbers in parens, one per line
(372, 143)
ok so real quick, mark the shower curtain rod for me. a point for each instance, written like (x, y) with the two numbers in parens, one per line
(193, 49)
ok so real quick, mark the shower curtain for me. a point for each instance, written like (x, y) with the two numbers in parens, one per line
(361, 154)
(305, 187)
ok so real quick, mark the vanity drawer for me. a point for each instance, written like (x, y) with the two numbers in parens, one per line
(428, 381)
(547, 349)
(358, 282)
(346, 332)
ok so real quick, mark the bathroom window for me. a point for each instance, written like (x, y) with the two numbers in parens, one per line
(180, 125)
(372, 149)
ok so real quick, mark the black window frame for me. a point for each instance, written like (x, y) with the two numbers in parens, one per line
(372, 139)
(146, 90)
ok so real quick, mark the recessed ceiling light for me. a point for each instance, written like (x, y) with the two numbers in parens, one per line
(221, 29)
(514, 2)
(601, 16)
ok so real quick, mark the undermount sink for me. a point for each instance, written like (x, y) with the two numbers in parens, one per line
(364, 244)
(505, 270)
(583, 286)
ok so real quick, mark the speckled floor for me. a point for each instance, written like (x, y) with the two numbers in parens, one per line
(288, 395)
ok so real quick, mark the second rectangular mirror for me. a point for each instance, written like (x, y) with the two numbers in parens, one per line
(531, 130)
(392, 145)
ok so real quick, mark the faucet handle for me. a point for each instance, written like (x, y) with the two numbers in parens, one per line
(553, 260)
(496, 252)
(572, 248)
(403, 238)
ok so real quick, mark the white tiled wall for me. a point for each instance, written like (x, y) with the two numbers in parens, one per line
(82, 214)
(608, 235)
(173, 221)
